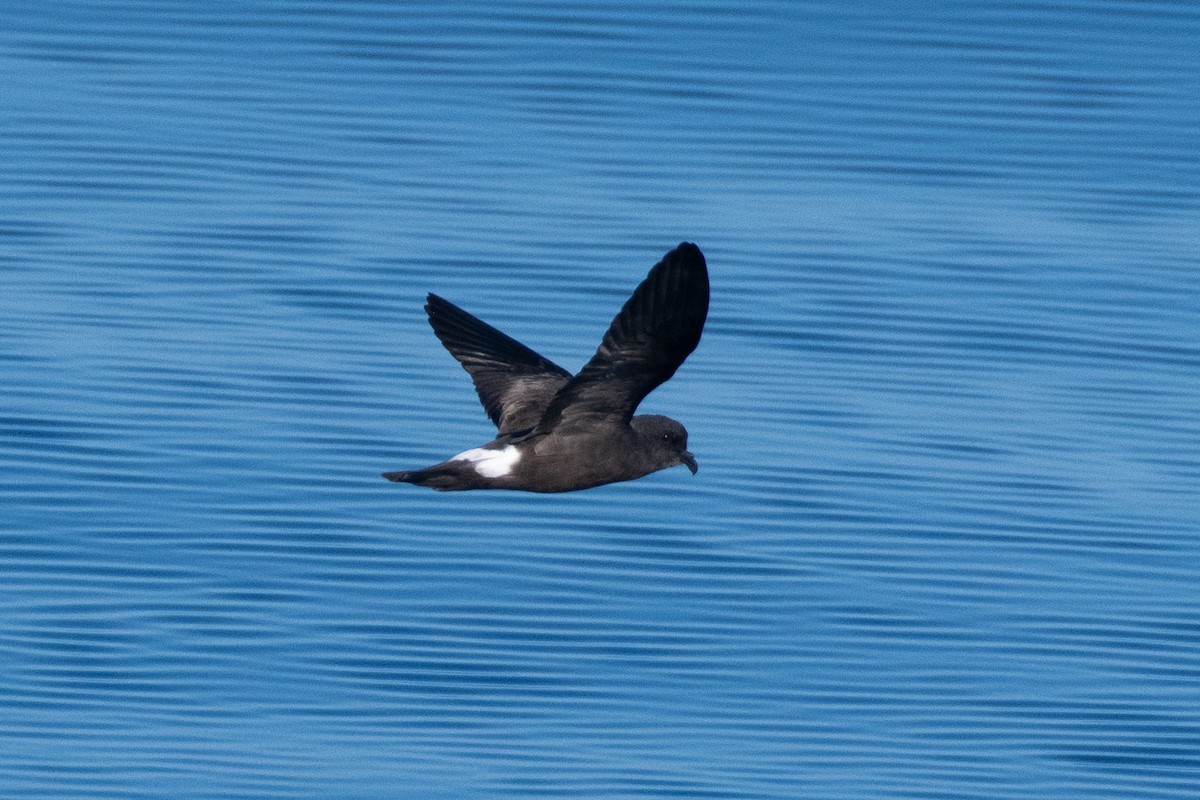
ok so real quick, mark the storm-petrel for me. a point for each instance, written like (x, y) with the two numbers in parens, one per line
(559, 433)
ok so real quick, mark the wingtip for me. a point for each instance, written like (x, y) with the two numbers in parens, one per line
(687, 262)
(687, 250)
(689, 268)
(434, 302)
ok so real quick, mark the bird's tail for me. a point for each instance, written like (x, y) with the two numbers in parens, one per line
(442, 478)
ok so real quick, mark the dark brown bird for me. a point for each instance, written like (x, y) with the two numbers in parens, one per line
(559, 433)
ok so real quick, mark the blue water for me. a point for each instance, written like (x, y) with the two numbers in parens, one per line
(945, 537)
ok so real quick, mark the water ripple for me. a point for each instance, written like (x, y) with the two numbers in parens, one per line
(942, 541)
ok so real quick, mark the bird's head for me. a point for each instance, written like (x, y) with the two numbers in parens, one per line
(666, 440)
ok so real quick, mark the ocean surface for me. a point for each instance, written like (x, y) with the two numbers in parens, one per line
(945, 537)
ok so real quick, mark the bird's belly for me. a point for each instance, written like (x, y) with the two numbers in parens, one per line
(554, 467)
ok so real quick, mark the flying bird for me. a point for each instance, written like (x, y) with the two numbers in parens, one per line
(558, 432)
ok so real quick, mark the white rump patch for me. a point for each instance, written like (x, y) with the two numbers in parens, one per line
(491, 463)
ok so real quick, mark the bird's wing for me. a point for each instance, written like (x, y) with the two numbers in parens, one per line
(514, 383)
(656, 329)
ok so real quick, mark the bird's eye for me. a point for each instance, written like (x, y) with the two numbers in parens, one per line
(666, 437)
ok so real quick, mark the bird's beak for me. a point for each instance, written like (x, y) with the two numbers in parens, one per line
(690, 460)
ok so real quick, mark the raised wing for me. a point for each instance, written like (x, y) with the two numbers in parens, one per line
(658, 327)
(514, 383)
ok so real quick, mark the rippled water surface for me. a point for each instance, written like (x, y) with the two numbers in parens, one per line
(945, 537)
